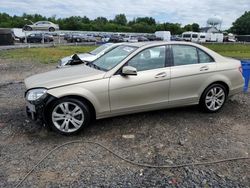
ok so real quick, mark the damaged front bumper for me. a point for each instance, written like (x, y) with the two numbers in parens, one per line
(37, 109)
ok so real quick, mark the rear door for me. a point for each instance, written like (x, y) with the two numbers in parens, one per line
(191, 68)
(149, 89)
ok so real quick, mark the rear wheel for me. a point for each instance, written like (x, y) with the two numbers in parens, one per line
(213, 98)
(51, 29)
(69, 116)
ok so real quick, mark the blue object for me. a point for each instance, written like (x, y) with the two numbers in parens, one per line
(246, 72)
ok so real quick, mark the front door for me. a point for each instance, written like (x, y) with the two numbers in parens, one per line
(149, 89)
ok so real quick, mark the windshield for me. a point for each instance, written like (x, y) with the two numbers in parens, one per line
(113, 57)
(99, 49)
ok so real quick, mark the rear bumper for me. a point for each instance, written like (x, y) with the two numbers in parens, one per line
(236, 90)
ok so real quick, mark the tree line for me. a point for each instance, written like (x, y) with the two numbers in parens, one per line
(118, 24)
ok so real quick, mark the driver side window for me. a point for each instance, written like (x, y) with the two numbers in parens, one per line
(151, 58)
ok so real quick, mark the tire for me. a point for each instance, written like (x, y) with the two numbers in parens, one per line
(61, 118)
(51, 29)
(27, 28)
(213, 98)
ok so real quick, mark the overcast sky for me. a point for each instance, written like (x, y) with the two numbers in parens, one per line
(179, 11)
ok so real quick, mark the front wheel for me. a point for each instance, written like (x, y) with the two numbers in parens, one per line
(69, 116)
(213, 98)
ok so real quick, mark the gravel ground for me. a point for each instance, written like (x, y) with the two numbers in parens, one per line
(168, 137)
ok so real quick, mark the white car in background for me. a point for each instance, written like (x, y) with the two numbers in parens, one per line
(77, 59)
(42, 25)
(130, 39)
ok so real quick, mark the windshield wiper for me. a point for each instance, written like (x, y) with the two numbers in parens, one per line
(95, 66)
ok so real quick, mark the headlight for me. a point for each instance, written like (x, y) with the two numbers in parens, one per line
(35, 94)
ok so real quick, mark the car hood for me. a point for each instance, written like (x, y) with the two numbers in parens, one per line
(61, 77)
(87, 57)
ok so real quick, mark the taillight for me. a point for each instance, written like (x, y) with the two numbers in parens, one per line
(240, 69)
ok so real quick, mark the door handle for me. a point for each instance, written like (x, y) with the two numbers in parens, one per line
(161, 75)
(204, 68)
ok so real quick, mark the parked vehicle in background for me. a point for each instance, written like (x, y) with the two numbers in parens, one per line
(211, 37)
(89, 38)
(219, 37)
(67, 36)
(115, 39)
(6, 37)
(230, 38)
(42, 25)
(77, 59)
(214, 37)
(130, 39)
(190, 36)
(74, 38)
(164, 35)
(37, 38)
(142, 39)
(153, 38)
(202, 37)
(176, 38)
(105, 38)
(187, 36)
(131, 78)
(80, 38)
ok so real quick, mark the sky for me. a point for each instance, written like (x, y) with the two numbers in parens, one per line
(175, 11)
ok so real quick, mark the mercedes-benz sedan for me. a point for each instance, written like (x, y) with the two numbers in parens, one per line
(42, 25)
(133, 78)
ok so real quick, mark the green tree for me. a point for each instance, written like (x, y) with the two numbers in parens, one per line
(192, 27)
(101, 20)
(120, 19)
(195, 27)
(147, 20)
(242, 25)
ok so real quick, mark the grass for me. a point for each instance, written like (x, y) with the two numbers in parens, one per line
(53, 54)
(240, 51)
(43, 55)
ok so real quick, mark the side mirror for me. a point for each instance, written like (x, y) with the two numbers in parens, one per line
(128, 70)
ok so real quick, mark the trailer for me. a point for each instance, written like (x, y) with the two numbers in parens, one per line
(202, 37)
(164, 35)
(6, 37)
(219, 37)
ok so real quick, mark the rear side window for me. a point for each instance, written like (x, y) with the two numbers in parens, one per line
(184, 55)
(204, 57)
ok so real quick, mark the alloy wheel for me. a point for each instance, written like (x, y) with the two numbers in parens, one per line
(215, 98)
(68, 117)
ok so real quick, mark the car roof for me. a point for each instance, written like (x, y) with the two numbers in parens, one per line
(156, 43)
